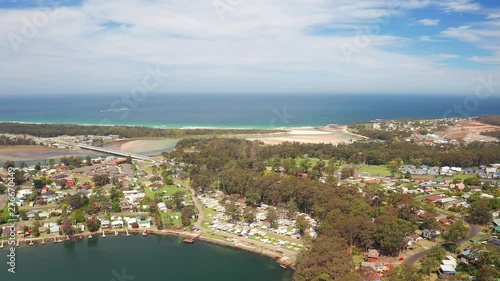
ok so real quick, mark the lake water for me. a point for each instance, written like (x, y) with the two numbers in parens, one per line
(139, 259)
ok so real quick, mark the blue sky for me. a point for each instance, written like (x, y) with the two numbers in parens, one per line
(340, 46)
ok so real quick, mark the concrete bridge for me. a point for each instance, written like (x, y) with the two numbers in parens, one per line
(112, 151)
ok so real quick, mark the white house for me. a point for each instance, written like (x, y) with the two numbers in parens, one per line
(117, 224)
(162, 207)
(105, 224)
(24, 193)
(144, 224)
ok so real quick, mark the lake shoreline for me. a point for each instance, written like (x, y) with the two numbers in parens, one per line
(166, 232)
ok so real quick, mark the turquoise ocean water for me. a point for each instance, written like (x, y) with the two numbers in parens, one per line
(238, 110)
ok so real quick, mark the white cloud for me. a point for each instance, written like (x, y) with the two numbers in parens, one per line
(462, 33)
(442, 57)
(459, 6)
(260, 46)
(493, 16)
(429, 22)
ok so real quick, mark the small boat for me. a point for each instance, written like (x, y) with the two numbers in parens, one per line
(283, 266)
(17, 244)
(90, 236)
(67, 238)
(116, 233)
(1, 246)
(103, 234)
(31, 243)
(80, 237)
(43, 241)
(128, 234)
(145, 233)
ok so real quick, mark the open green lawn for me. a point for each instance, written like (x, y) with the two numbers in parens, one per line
(169, 191)
(462, 177)
(375, 170)
(176, 222)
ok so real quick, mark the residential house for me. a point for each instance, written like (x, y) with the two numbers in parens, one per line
(44, 215)
(430, 234)
(117, 224)
(414, 238)
(162, 207)
(144, 223)
(372, 255)
(105, 224)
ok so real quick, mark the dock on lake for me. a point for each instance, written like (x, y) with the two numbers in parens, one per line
(191, 240)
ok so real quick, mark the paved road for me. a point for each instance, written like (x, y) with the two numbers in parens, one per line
(201, 213)
(474, 231)
(413, 259)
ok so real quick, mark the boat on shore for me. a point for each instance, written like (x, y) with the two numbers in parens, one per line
(103, 234)
(67, 238)
(90, 236)
(80, 237)
(1, 246)
(17, 243)
(128, 234)
(116, 233)
(145, 233)
(31, 243)
(43, 241)
(56, 240)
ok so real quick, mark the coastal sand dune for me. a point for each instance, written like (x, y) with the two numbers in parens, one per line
(310, 135)
(138, 146)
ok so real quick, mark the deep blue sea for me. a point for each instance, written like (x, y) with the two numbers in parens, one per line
(237, 110)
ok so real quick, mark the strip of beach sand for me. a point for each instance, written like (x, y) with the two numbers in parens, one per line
(333, 135)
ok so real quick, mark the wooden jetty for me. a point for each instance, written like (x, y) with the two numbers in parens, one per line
(191, 240)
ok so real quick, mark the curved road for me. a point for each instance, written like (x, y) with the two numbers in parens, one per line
(474, 231)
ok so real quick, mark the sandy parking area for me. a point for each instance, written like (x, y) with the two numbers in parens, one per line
(469, 130)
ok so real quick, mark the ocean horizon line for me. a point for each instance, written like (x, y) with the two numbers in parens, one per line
(193, 127)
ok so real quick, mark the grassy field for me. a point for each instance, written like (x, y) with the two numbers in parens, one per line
(462, 177)
(375, 170)
(169, 191)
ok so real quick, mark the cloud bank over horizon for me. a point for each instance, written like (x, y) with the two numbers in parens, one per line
(342, 46)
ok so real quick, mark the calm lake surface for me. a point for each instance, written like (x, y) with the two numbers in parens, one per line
(139, 259)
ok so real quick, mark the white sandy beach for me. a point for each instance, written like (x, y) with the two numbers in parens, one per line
(138, 146)
(310, 135)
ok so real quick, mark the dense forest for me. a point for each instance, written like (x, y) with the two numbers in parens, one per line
(348, 218)
(54, 130)
(370, 153)
(490, 120)
(4, 140)
(362, 129)
(495, 134)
